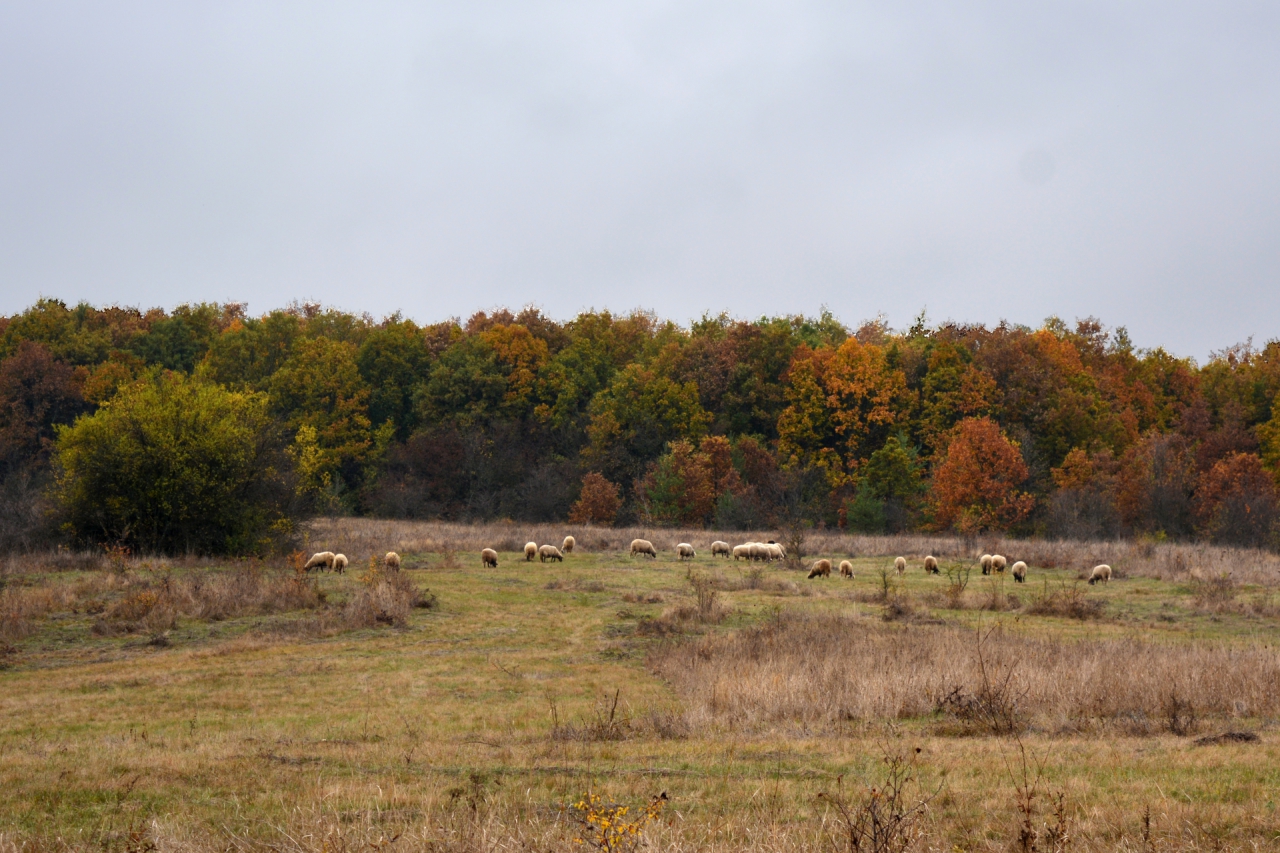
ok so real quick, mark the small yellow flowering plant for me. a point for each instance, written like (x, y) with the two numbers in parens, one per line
(607, 827)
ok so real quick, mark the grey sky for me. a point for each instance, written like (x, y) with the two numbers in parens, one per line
(1003, 161)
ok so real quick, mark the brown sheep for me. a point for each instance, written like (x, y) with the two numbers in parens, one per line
(567, 545)
(900, 565)
(1100, 574)
(643, 546)
(821, 569)
(322, 560)
(931, 565)
(340, 563)
(530, 551)
(1020, 572)
(846, 569)
(490, 558)
(392, 561)
(719, 549)
(550, 552)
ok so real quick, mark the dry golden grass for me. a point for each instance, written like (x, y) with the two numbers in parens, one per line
(824, 670)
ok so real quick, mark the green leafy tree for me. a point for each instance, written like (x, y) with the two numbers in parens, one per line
(393, 362)
(176, 465)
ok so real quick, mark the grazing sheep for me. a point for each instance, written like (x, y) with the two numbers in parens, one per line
(530, 551)
(998, 563)
(821, 569)
(900, 564)
(549, 552)
(1100, 574)
(490, 558)
(643, 546)
(1020, 572)
(719, 548)
(742, 552)
(931, 565)
(340, 563)
(684, 551)
(758, 550)
(392, 561)
(322, 560)
(567, 545)
(986, 564)
(846, 569)
(776, 552)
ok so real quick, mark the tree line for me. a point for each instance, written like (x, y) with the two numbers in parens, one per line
(208, 429)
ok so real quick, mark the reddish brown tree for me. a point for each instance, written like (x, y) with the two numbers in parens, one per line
(37, 392)
(598, 502)
(976, 485)
(1236, 501)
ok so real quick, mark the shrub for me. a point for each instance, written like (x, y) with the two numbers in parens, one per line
(598, 502)
(176, 465)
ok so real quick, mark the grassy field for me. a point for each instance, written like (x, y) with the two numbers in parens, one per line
(199, 705)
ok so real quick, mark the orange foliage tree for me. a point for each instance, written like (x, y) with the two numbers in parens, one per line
(1236, 501)
(976, 485)
(597, 503)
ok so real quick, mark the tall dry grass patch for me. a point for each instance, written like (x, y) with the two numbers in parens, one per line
(822, 669)
(1134, 558)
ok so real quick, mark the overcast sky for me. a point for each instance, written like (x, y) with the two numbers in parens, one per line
(1008, 161)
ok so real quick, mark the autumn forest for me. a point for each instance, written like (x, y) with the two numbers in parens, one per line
(1066, 430)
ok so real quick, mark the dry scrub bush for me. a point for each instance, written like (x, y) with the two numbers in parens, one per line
(385, 598)
(817, 669)
(1068, 600)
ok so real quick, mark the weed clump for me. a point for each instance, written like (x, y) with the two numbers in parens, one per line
(1068, 601)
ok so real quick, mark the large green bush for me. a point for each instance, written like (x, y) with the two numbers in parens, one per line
(173, 464)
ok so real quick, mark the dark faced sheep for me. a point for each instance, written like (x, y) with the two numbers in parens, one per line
(998, 563)
(985, 562)
(530, 551)
(322, 560)
(392, 561)
(490, 558)
(846, 569)
(550, 552)
(931, 565)
(567, 545)
(643, 546)
(1100, 574)
(1020, 572)
(821, 569)
(720, 549)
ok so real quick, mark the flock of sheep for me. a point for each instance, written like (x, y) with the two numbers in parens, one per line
(328, 560)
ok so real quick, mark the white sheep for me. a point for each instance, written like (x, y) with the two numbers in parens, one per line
(550, 552)
(530, 551)
(821, 569)
(643, 546)
(742, 552)
(719, 548)
(489, 557)
(340, 563)
(998, 563)
(759, 550)
(567, 545)
(321, 560)
(931, 565)
(684, 551)
(1100, 574)
(985, 562)
(392, 561)
(846, 569)
(776, 552)
(1020, 572)
(900, 565)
